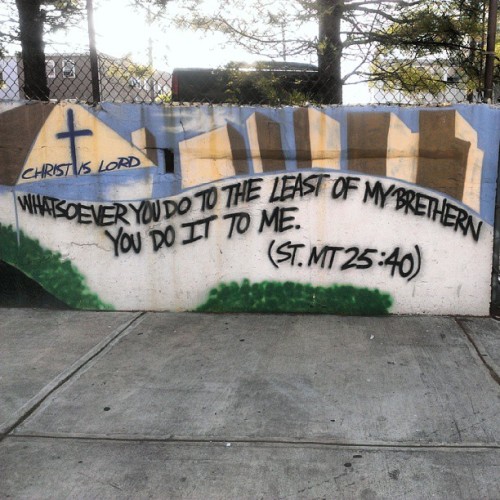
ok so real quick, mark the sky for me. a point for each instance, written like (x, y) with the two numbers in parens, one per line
(128, 34)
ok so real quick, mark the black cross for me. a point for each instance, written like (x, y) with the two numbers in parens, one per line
(72, 134)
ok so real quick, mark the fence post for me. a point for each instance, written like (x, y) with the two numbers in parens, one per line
(151, 81)
(94, 63)
(495, 275)
(490, 50)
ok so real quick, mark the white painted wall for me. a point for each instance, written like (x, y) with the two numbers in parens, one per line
(454, 277)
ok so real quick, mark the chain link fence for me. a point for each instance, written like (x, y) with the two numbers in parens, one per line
(426, 80)
(69, 76)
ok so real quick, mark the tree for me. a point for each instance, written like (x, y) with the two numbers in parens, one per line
(34, 18)
(31, 25)
(431, 47)
(331, 31)
(266, 83)
(382, 40)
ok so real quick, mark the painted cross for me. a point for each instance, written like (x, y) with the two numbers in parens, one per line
(72, 134)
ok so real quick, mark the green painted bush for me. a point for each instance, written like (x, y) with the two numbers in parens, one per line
(277, 297)
(59, 277)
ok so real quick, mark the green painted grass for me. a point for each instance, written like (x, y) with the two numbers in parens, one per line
(56, 275)
(288, 297)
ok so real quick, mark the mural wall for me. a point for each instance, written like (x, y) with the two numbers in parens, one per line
(332, 210)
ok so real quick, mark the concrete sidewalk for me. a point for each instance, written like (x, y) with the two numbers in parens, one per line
(164, 405)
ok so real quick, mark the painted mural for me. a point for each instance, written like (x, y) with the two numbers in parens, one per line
(324, 210)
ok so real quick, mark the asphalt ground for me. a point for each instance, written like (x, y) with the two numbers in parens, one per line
(181, 405)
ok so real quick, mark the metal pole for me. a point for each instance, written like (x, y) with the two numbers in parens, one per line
(495, 275)
(150, 57)
(94, 63)
(490, 50)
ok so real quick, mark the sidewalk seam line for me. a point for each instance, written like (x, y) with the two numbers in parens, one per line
(494, 375)
(62, 378)
(430, 446)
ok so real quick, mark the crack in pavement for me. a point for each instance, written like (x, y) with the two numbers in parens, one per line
(264, 441)
(61, 379)
(494, 375)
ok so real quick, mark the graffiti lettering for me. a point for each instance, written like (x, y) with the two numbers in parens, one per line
(47, 170)
(208, 198)
(100, 215)
(377, 193)
(84, 168)
(242, 192)
(342, 186)
(286, 251)
(120, 163)
(278, 219)
(358, 260)
(406, 265)
(412, 202)
(172, 207)
(192, 229)
(326, 251)
(274, 218)
(162, 238)
(240, 221)
(287, 187)
(147, 211)
(124, 242)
